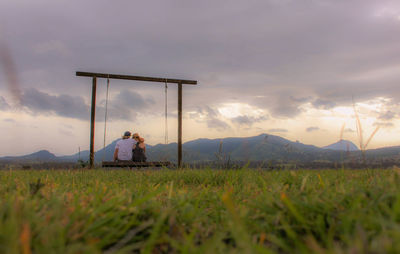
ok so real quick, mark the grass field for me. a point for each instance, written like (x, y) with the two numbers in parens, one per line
(200, 211)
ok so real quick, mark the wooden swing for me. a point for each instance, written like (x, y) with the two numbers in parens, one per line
(133, 164)
(180, 82)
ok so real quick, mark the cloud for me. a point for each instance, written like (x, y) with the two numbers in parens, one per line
(52, 46)
(4, 106)
(277, 130)
(285, 110)
(349, 130)
(215, 123)
(68, 126)
(386, 116)
(280, 104)
(67, 133)
(248, 120)
(211, 117)
(9, 120)
(126, 105)
(383, 124)
(312, 128)
(38, 102)
(300, 99)
(127, 98)
(323, 104)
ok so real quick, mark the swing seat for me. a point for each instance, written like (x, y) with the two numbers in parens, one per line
(132, 164)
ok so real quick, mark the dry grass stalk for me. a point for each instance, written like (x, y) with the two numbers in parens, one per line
(341, 132)
(370, 137)
(360, 132)
(359, 127)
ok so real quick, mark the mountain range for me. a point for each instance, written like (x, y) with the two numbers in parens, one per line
(263, 148)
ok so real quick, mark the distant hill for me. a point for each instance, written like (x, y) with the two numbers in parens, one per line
(259, 148)
(41, 156)
(342, 145)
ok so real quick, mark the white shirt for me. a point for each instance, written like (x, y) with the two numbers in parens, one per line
(125, 147)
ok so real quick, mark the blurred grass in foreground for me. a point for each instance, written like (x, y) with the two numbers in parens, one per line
(200, 211)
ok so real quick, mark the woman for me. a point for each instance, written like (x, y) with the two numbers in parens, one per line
(139, 150)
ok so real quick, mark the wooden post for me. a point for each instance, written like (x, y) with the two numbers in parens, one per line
(92, 123)
(180, 125)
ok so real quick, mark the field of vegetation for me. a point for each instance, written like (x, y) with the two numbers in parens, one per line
(199, 211)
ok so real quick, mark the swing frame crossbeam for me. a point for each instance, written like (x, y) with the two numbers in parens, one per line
(94, 76)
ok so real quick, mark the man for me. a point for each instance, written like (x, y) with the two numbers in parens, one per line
(123, 148)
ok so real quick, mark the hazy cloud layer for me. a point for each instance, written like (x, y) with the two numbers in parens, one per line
(284, 52)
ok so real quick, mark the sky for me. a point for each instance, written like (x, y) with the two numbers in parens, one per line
(304, 70)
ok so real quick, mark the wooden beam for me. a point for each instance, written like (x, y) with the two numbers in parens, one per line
(179, 125)
(92, 122)
(138, 78)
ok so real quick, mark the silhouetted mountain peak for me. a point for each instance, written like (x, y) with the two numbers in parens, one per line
(41, 155)
(342, 145)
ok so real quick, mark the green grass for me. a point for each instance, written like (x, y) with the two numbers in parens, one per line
(200, 211)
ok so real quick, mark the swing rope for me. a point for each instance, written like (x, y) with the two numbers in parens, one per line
(105, 119)
(166, 112)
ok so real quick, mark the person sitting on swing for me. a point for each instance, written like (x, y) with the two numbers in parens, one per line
(123, 148)
(139, 149)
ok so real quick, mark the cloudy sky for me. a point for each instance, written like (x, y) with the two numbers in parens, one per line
(291, 68)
